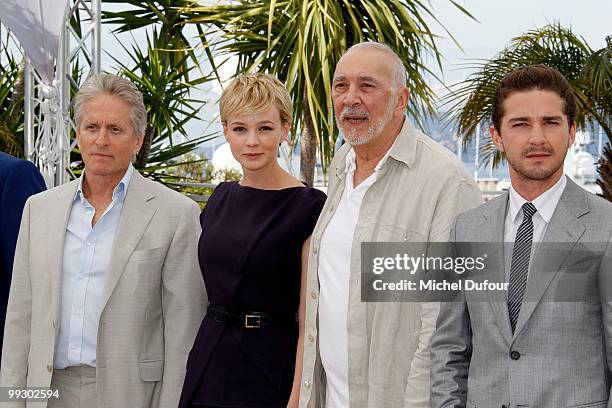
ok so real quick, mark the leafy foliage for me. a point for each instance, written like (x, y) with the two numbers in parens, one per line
(11, 103)
(605, 173)
(168, 14)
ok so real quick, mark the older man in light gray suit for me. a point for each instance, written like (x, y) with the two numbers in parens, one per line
(535, 345)
(106, 295)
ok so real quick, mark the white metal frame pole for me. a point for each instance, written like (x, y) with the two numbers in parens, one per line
(70, 48)
(28, 104)
(63, 86)
(96, 8)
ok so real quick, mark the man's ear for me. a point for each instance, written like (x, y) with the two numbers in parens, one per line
(78, 138)
(139, 141)
(496, 138)
(572, 135)
(403, 96)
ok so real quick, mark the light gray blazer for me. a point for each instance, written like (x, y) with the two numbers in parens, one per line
(152, 303)
(561, 352)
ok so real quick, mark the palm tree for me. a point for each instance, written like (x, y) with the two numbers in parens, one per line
(589, 73)
(300, 41)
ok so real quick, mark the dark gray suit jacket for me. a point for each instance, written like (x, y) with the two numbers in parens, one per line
(561, 351)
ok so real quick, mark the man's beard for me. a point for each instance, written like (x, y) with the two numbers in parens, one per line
(535, 173)
(374, 128)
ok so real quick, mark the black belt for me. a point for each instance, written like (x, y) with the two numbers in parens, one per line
(249, 320)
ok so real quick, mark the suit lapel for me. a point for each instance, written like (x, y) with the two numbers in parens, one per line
(492, 231)
(564, 229)
(138, 209)
(57, 220)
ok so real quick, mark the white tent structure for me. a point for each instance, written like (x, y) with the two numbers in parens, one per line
(52, 47)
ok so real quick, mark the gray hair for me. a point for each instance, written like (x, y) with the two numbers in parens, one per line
(117, 86)
(399, 71)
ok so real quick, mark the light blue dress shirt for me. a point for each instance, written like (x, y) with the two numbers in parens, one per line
(87, 252)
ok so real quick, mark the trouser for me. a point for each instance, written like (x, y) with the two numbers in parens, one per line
(76, 386)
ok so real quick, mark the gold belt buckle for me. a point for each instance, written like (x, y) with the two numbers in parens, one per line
(249, 324)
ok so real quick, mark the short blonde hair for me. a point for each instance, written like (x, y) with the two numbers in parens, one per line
(255, 93)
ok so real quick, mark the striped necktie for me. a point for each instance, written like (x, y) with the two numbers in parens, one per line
(520, 263)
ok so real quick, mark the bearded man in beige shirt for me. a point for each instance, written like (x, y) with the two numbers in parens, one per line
(390, 182)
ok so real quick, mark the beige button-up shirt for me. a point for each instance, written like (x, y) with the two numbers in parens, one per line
(419, 190)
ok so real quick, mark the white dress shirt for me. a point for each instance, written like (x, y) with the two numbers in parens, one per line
(87, 252)
(334, 272)
(545, 204)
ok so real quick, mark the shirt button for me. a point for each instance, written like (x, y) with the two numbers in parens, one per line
(310, 338)
(49, 368)
(79, 276)
(89, 243)
(315, 251)
(79, 311)
(331, 208)
(307, 384)
(313, 295)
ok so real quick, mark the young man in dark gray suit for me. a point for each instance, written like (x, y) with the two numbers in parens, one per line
(542, 343)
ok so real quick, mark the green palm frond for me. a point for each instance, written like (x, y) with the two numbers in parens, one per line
(11, 104)
(169, 17)
(596, 76)
(605, 173)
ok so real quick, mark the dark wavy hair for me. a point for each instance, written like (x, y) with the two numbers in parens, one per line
(532, 77)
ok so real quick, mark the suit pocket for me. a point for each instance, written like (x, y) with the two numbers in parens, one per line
(151, 370)
(376, 232)
(598, 404)
(146, 254)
